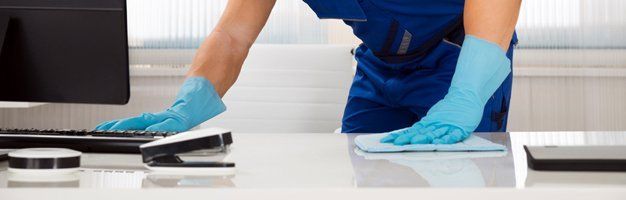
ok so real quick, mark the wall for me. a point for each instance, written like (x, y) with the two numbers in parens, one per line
(568, 102)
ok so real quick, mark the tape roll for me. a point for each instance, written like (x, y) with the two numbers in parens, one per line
(44, 159)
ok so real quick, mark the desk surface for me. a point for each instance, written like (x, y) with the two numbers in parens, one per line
(331, 161)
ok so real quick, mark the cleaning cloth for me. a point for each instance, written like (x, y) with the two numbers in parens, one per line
(371, 143)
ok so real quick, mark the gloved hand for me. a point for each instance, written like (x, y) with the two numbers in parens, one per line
(481, 69)
(196, 102)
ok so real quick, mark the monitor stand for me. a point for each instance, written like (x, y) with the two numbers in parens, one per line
(4, 27)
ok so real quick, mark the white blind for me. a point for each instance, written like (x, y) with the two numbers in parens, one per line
(183, 24)
(542, 23)
(578, 24)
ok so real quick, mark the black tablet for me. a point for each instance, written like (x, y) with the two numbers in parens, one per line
(576, 158)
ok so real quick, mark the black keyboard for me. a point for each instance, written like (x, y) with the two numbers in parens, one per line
(80, 140)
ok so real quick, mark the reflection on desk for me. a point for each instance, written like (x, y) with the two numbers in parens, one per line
(168, 181)
(89, 178)
(332, 161)
(56, 181)
(432, 169)
(552, 179)
(440, 169)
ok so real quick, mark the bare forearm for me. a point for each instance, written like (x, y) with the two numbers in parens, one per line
(221, 55)
(219, 59)
(492, 20)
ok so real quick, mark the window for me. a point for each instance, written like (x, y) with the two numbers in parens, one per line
(171, 24)
(564, 33)
(579, 24)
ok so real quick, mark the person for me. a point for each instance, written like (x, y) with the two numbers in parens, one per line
(432, 70)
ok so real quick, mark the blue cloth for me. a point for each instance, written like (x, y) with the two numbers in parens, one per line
(481, 68)
(406, 62)
(196, 102)
(371, 143)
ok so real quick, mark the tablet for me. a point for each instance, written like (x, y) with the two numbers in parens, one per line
(576, 158)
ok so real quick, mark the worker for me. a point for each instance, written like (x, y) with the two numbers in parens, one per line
(432, 70)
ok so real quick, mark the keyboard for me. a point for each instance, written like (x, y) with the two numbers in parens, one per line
(80, 140)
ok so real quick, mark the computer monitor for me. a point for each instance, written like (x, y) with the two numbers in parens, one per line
(66, 51)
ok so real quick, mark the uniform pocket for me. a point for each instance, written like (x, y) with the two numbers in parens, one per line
(348, 10)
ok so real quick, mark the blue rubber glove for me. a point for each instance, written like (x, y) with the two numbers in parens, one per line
(481, 69)
(196, 102)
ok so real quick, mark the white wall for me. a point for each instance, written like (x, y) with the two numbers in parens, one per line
(566, 103)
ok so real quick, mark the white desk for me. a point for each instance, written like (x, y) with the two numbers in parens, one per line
(314, 166)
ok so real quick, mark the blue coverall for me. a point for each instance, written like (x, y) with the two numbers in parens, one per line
(406, 62)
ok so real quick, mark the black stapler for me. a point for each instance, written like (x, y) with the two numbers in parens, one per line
(163, 155)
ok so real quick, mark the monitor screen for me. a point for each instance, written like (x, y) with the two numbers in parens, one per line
(66, 51)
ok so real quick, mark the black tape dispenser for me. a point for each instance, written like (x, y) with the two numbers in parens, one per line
(163, 155)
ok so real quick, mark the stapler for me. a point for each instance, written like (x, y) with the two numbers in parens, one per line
(163, 155)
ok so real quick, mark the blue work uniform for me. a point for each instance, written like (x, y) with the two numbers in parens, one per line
(406, 62)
